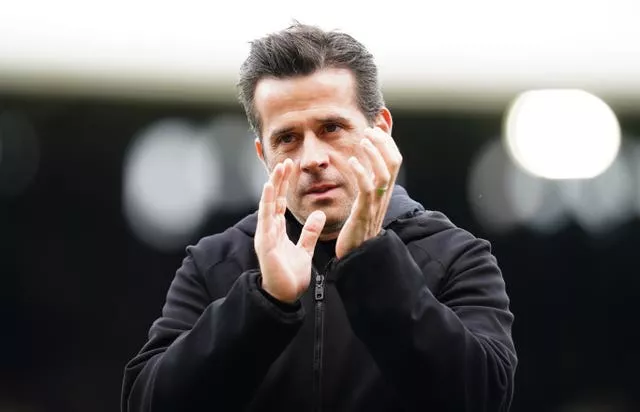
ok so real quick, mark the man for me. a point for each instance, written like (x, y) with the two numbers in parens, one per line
(340, 293)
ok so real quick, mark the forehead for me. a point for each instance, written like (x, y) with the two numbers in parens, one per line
(328, 92)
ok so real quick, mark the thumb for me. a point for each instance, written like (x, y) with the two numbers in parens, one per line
(311, 231)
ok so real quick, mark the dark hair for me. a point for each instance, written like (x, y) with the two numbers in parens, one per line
(301, 50)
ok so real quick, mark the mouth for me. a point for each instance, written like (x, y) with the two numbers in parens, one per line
(321, 189)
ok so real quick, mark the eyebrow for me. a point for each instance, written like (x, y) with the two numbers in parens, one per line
(333, 119)
(282, 131)
(321, 120)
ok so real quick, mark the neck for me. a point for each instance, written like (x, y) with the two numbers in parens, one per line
(328, 236)
(329, 232)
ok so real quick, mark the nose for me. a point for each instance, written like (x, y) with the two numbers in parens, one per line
(314, 156)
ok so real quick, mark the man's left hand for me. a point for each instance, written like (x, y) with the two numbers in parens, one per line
(374, 190)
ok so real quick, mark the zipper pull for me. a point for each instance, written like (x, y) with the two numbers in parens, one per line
(319, 292)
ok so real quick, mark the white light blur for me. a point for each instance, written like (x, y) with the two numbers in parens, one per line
(256, 173)
(536, 201)
(172, 177)
(601, 204)
(562, 134)
(486, 189)
(503, 197)
(244, 174)
(634, 165)
(494, 47)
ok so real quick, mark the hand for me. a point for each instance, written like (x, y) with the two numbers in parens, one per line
(374, 190)
(285, 267)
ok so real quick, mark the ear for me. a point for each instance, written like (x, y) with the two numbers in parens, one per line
(384, 120)
(260, 153)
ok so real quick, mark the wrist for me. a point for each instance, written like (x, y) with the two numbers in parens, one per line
(268, 290)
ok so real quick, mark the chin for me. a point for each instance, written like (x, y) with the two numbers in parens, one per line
(336, 212)
(336, 217)
(333, 227)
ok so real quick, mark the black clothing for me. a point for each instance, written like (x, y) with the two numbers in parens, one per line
(416, 318)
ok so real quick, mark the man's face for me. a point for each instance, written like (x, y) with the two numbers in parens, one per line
(316, 122)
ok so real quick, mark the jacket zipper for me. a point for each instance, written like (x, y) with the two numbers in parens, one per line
(318, 339)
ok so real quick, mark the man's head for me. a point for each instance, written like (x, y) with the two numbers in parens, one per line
(309, 95)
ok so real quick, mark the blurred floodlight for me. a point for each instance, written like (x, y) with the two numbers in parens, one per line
(601, 204)
(244, 174)
(192, 49)
(171, 178)
(486, 189)
(503, 197)
(562, 133)
(535, 200)
(19, 153)
(634, 164)
(257, 172)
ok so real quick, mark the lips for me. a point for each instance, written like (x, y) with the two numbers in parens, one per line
(321, 188)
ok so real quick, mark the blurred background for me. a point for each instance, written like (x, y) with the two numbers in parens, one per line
(121, 142)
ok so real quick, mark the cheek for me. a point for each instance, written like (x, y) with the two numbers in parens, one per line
(293, 183)
(342, 154)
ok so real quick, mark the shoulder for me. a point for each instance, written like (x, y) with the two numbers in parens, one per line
(436, 235)
(231, 250)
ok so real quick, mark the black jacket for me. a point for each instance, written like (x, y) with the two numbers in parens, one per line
(414, 319)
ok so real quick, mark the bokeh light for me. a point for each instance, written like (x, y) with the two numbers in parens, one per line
(503, 197)
(562, 134)
(243, 172)
(486, 188)
(172, 178)
(600, 205)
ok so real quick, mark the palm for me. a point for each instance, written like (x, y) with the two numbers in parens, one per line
(288, 263)
(352, 232)
(346, 238)
(285, 266)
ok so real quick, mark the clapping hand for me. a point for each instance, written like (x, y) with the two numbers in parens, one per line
(285, 266)
(374, 190)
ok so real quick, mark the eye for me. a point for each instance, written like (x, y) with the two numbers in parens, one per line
(332, 127)
(285, 139)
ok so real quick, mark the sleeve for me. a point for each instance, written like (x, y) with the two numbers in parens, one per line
(451, 352)
(204, 355)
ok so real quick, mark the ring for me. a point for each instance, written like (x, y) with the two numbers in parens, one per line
(381, 190)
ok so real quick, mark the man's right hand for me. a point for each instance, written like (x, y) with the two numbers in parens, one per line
(285, 266)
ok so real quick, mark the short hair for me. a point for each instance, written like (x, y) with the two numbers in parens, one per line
(301, 50)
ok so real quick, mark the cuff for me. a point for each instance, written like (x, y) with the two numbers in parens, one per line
(283, 306)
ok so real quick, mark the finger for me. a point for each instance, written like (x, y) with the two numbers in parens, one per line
(381, 173)
(365, 182)
(281, 193)
(266, 208)
(382, 178)
(311, 231)
(276, 181)
(387, 147)
(276, 177)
